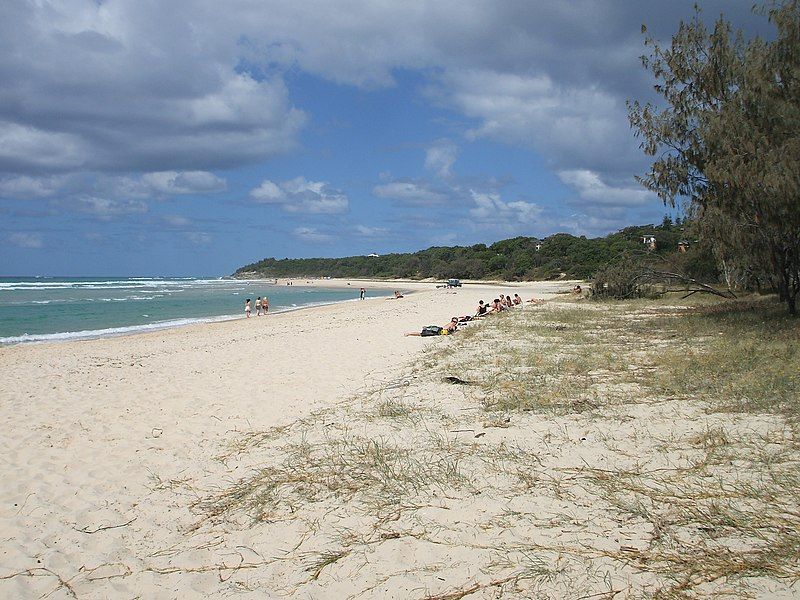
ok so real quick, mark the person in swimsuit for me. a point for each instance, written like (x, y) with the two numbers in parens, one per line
(247, 308)
(451, 327)
(265, 304)
(482, 308)
(258, 306)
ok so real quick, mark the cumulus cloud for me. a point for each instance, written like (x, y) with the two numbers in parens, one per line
(569, 124)
(491, 209)
(591, 189)
(124, 86)
(26, 240)
(301, 196)
(409, 192)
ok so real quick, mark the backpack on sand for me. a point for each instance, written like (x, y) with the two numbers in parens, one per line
(431, 330)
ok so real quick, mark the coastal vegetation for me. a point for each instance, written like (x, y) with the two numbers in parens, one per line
(643, 448)
(727, 142)
(515, 259)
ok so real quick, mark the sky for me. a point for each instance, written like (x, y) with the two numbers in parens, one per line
(192, 137)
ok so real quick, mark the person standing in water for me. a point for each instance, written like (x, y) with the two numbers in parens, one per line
(363, 292)
(247, 308)
(258, 306)
(265, 304)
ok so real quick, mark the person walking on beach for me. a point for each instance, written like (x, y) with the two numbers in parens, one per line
(247, 308)
(258, 306)
(265, 304)
(362, 293)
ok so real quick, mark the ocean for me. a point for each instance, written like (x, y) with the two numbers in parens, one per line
(36, 309)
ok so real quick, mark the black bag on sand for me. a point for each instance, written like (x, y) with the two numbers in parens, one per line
(431, 330)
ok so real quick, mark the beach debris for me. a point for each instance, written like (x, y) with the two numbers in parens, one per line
(90, 531)
(456, 381)
(398, 384)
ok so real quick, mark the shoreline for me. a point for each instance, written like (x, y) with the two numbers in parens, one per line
(179, 323)
(95, 432)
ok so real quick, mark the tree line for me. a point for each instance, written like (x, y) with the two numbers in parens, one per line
(515, 259)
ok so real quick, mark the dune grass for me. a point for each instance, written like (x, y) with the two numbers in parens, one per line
(715, 504)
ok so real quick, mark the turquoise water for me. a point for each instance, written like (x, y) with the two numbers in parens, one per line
(56, 308)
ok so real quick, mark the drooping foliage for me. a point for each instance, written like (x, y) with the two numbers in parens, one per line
(727, 143)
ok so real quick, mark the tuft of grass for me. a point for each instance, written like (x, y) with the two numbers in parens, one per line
(350, 468)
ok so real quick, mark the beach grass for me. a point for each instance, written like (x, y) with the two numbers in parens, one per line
(572, 449)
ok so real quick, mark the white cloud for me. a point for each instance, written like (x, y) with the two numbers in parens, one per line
(186, 182)
(371, 231)
(440, 158)
(27, 147)
(108, 208)
(409, 192)
(142, 187)
(311, 234)
(176, 221)
(268, 192)
(593, 190)
(25, 187)
(573, 125)
(490, 208)
(26, 240)
(301, 196)
(199, 238)
(135, 86)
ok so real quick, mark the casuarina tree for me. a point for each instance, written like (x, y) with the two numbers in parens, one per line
(727, 140)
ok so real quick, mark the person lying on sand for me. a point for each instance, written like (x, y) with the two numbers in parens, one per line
(449, 328)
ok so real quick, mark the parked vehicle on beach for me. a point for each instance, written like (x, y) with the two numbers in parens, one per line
(453, 283)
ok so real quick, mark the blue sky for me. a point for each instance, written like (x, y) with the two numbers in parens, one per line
(193, 137)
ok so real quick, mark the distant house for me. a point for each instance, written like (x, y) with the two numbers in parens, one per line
(649, 241)
(373, 255)
(683, 245)
(538, 246)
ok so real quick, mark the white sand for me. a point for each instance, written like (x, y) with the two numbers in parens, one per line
(91, 428)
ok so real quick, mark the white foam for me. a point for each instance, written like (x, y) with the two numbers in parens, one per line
(111, 331)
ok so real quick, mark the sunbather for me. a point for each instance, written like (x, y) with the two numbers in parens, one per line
(450, 327)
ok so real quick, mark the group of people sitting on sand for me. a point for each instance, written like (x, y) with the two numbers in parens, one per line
(504, 302)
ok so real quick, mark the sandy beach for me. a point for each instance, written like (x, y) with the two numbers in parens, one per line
(93, 429)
